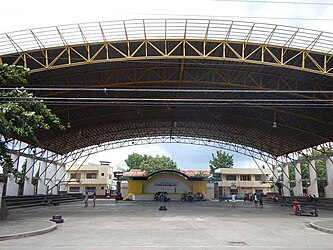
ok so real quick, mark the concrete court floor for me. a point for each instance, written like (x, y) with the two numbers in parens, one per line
(205, 225)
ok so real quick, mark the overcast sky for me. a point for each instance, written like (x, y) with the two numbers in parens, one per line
(28, 14)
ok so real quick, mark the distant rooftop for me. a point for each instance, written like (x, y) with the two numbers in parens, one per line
(191, 173)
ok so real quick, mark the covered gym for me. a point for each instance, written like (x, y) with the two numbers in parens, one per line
(258, 89)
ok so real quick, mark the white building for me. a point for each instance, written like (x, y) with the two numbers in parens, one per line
(90, 178)
(240, 181)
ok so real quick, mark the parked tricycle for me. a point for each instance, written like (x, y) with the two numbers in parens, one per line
(301, 209)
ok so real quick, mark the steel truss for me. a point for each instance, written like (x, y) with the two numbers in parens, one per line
(68, 142)
(264, 44)
(248, 151)
(72, 158)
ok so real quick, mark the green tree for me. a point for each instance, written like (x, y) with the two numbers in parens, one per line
(134, 160)
(149, 163)
(221, 160)
(21, 114)
(200, 174)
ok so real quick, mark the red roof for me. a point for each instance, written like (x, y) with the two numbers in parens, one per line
(191, 173)
(195, 172)
(134, 172)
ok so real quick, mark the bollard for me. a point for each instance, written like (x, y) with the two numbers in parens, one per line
(57, 219)
(163, 208)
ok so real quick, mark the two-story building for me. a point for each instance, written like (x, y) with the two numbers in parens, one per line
(242, 181)
(90, 178)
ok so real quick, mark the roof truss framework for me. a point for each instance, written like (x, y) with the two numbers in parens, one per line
(228, 81)
(68, 45)
(81, 54)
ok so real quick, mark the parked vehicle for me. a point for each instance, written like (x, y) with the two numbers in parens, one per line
(199, 197)
(162, 196)
(301, 209)
(187, 197)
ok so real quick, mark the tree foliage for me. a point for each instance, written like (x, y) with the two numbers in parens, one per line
(134, 160)
(21, 114)
(200, 174)
(149, 163)
(221, 160)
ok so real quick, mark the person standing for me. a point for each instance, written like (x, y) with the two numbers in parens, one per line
(86, 197)
(233, 198)
(94, 199)
(255, 199)
(261, 204)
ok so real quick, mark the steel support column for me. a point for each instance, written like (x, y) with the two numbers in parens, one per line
(28, 188)
(286, 183)
(329, 175)
(313, 188)
(50, 177)
(61, 171)
(12, 187)
(275, 177)
(298, 189)
(41, 187)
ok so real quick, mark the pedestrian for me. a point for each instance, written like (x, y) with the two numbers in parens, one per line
(86, 199)
(255, 199)
(233, 199)
(261, 204)
(94, 199)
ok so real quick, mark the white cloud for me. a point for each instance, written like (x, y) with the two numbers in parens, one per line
(22, 14)
(247, 162)
(118, 156)
(186, 156)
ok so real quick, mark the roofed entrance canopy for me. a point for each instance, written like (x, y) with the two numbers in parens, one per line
(264, 86)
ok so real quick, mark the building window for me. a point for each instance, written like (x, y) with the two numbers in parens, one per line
(245, 177)
(91, 175)
(259, 191)
(102, 174)
(102, 188)
(76, 176)
(233, 191)
(230, 177)
(258, 177)
(110, 176)
(90, 189)
(74, 189)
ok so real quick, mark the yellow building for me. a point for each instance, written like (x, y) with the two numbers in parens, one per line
(90, 178)
(242, 181)
(175, 183)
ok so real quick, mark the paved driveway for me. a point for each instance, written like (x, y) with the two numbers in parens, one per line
(206, 225)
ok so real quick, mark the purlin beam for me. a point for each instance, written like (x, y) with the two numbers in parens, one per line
(253, 51)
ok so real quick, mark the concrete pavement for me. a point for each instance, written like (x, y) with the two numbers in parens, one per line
(206, 225)
(14, 229)
(324, 226)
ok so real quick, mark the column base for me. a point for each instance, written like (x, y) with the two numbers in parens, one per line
(329, 191)
(28, 189)
(41, 188)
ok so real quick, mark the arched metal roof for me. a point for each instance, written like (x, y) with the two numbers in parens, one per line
(220, 80)
(168, 171)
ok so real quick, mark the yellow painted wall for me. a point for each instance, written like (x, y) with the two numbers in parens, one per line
(199, 187)
(135, 187)
(166, 175)
(138, 186)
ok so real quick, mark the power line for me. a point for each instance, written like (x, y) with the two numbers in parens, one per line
(175, 90)
(239, 17)
(276, 2)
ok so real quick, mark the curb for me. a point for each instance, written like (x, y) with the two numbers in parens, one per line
(29, 233)
(325, 230)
